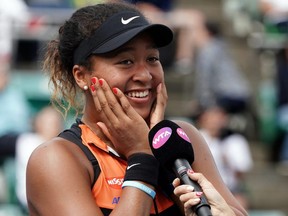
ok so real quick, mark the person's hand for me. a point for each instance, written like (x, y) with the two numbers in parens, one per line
(190, 198)
(126, 129)
(158, 109)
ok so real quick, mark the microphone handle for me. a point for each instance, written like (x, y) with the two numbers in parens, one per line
(180, 168)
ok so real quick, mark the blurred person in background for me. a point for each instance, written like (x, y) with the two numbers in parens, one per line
(275, 20)
(14, 113)
(218, 79)
(47, 123)
(282, 166)
(282, 106)
(231, 151)
(14, 110)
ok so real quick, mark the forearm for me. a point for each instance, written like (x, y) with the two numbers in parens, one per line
(133, 201)
(138, 188)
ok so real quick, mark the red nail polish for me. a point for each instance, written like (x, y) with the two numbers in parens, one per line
(115, 90)
(101, 82)
(190, 171)
(199, 194)
(92, 87)
(94, 80)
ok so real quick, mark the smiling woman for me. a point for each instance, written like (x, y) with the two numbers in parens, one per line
(107, 54)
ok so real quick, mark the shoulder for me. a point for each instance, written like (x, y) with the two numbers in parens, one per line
(58, 176)
(200, 147)
(192, 132)
(58, 156)
(202, 154)
(55, 148)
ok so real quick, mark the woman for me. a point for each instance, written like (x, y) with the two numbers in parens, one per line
(109, 52)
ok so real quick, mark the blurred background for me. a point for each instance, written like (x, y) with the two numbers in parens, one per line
(227, 54)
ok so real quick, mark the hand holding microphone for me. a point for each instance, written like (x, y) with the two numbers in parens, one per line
(172, 147)
(218, 205)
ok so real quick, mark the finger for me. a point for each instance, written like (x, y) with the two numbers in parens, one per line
(104, 129)
(183, 189)
(158, 109)
(126, 106)
(164, 91)
(94, 82)
(200, 178)
(176, 182)
(93, 86)
(191, 202)
(185, 197)
(109, 103)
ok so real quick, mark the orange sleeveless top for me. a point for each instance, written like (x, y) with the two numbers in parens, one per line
(107, 188)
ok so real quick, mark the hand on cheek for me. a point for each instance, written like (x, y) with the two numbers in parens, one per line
(118, 119)
(159, 106)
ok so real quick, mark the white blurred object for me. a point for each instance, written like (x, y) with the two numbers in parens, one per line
(276, 10)
(16, 9)
(12, 14)
(231, 155)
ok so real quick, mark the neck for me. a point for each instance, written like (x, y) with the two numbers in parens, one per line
(92, 124)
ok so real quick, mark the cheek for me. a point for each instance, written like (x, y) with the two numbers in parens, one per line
(109, 74)
(158, 77)
(115, 80)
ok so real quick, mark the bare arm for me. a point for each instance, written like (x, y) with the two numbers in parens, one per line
(59, 180)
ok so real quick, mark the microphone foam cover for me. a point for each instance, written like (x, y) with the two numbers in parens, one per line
(169, 142)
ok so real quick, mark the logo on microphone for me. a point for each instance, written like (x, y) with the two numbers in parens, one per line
(161, 137)
(182, 134)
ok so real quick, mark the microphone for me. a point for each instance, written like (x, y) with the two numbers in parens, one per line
(172, 148)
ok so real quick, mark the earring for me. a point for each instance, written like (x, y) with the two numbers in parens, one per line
(85, 87)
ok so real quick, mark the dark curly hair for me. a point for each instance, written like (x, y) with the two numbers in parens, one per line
(58, 60)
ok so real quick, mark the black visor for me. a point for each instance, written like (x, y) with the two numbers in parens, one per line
(118, 30)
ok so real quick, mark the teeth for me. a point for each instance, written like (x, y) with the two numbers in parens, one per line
(138, 94)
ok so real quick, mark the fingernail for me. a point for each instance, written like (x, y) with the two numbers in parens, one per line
(92, 87)
(94, 80)
(190, 171)
(190, 188)
(101, 82)
(115, 90)
(199, 194)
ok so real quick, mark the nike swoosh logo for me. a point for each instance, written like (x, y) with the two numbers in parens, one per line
(125, 22)
(132, 165)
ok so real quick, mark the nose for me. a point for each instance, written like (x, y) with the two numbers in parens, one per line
(142, 74)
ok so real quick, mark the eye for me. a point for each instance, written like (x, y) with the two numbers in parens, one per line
(153, 59)
(126, 62)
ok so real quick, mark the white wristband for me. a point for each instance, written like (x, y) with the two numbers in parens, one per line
(140, 186)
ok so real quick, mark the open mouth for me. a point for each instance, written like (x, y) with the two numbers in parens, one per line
(138, 94)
